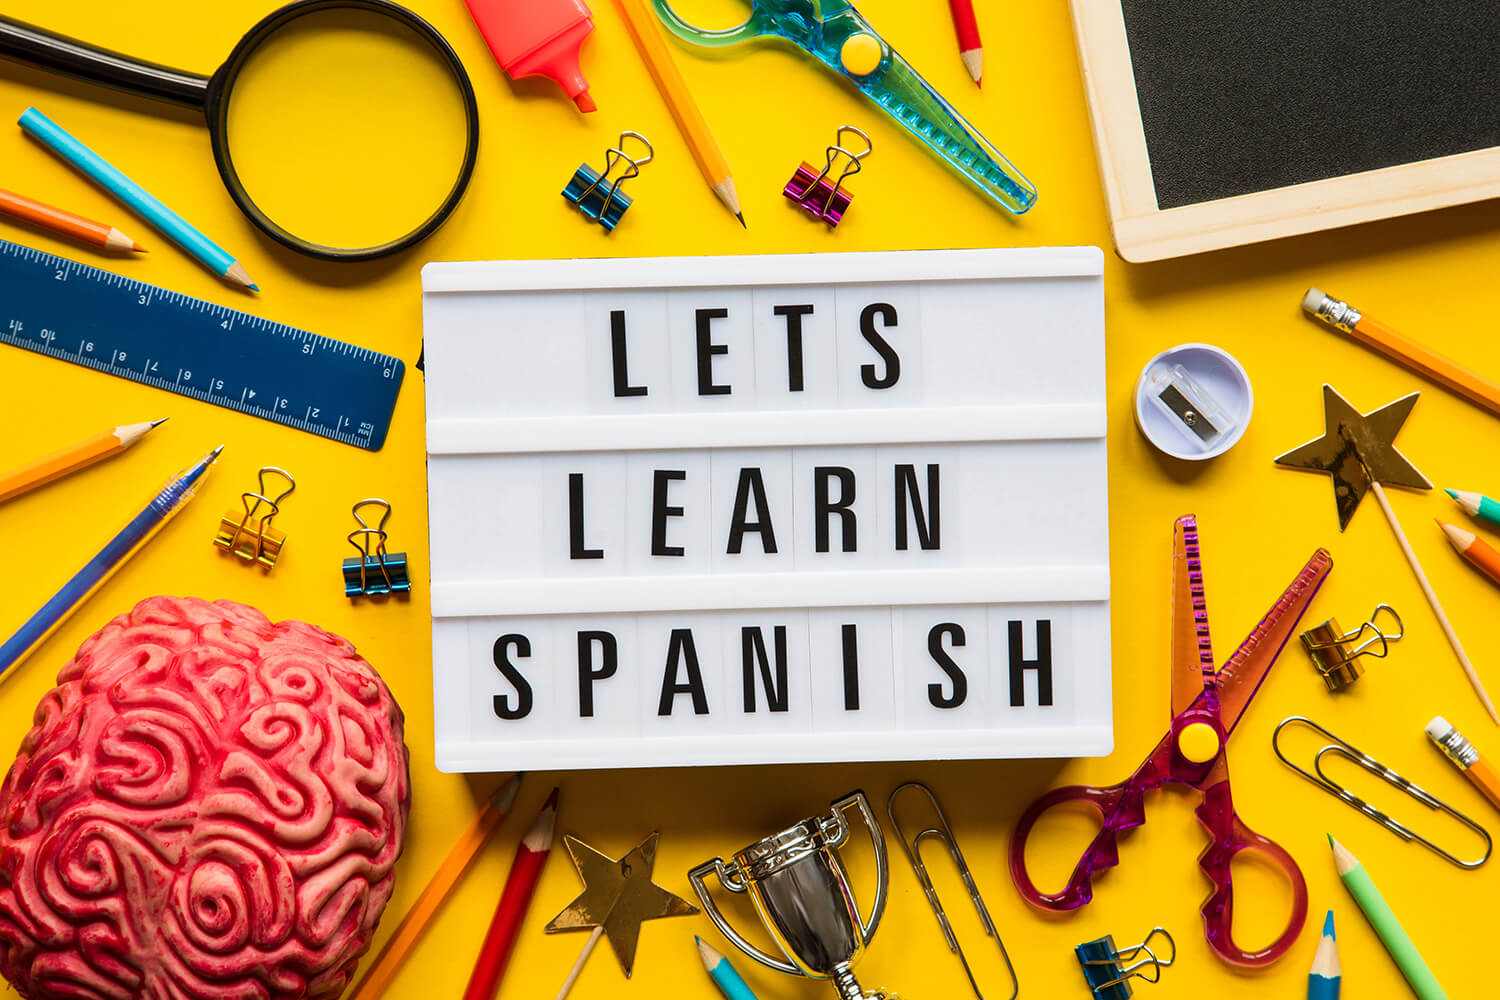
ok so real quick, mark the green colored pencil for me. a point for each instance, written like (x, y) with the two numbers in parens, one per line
(1387, 927)
(1477, 505)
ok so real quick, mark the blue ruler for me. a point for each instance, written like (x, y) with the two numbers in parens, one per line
(77, 313)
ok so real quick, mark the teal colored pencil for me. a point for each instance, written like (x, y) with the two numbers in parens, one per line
(173, 226)
(724, 976)
(1477, 505)
(1378, 912)
(1324, 979)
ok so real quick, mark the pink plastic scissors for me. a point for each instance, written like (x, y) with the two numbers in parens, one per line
(1206, 706)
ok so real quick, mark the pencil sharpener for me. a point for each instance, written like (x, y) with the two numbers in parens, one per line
(1193, 402)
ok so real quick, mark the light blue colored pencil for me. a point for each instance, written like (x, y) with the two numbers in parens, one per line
(172, 498)
(173, 226)
(1326, 975)
(724, 976)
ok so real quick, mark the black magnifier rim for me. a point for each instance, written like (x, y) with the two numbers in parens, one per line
(221, 86)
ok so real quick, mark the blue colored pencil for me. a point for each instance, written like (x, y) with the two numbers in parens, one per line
(724, 976)
(1323, 981)
(172, 498)
(173, 226)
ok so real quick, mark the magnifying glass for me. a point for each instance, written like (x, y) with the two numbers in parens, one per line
(348, 119)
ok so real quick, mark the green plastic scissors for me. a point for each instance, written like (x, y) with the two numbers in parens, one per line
(832, 32)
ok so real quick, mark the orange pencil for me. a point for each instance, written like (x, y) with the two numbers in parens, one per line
(1480, 553)
(72, 458)
(1446, 372)
(419, 918)
(66, 223)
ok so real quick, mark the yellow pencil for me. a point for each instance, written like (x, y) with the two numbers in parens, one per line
(72, 458)
(415, 923)
(674, 91)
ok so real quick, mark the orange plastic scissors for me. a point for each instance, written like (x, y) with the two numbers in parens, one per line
(1206, 706)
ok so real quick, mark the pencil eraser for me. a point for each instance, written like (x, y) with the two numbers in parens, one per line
(1312, 300)
(1438, 727)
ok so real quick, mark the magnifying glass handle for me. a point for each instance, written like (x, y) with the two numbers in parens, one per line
(47, 50)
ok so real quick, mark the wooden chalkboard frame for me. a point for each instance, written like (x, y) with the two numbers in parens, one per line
(1144, 232)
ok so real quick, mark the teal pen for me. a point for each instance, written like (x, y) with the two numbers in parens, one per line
(163, 507)
(723, 974)
(1323, 981)
(1477, 505)
(173, 226)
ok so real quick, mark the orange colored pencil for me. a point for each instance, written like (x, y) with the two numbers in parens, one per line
(417, 920)
(1476, 550)
(1477, 389)
(72, 458)
(66, 223)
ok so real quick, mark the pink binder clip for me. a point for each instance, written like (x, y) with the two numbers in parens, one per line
(819, 193)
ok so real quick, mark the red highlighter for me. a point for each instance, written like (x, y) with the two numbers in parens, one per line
(538, 38)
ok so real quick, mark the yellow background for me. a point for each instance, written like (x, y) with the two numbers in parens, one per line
(1430, 275)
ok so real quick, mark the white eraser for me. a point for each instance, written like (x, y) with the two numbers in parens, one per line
(1438, 727)
(1312, 300)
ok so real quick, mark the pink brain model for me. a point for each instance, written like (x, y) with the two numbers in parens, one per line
(209, 807)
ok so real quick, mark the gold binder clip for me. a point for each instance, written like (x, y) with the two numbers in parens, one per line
(1342, 748)
(943, 833)
(1335, 653)
(248, 533)
(374, 572)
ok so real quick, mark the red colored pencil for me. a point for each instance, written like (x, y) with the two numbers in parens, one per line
(520, 886)
(970, 48)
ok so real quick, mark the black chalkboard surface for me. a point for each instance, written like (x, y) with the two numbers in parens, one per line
(1224, 122)
(1242, 96)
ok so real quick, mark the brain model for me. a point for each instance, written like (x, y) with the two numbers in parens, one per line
(209, 807)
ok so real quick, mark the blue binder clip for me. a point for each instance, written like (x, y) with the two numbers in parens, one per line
(374, 573)
(599, 198)
(1108, 971)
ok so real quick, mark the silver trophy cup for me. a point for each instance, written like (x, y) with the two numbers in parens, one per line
(801, 891)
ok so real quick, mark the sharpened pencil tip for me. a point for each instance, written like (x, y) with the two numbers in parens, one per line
(158, 423)
(1328, 925)
(1451, 493)
(741, 217)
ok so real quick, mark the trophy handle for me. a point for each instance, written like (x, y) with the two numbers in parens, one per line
(882, 863)
(716, 867)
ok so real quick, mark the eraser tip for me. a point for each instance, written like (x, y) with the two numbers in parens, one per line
(1438, 727)
(1312, 300)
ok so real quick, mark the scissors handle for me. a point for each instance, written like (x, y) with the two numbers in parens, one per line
(1120, 807)
(755, 26)
(1228, 836)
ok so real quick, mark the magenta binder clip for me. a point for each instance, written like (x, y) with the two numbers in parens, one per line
(821, 194)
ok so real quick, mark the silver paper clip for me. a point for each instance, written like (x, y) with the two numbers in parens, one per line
(913, 849)
(1341, 748)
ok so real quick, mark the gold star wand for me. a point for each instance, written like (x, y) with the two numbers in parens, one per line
(1359, 451)
(617, 897)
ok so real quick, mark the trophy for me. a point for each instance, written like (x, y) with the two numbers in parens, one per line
(801, 891)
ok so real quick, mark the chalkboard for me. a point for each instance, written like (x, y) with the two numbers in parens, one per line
(1240, 96)
(1287, 117)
